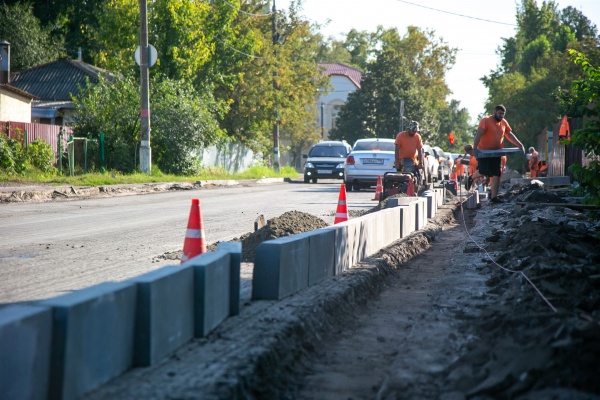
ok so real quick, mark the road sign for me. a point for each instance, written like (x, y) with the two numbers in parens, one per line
(152, 55)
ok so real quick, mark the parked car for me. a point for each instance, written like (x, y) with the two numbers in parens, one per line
(433, 165)
(445, 161)
(326, 160)
(368, 159)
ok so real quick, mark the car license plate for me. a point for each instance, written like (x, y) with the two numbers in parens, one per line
(373, 161)
(324, 171)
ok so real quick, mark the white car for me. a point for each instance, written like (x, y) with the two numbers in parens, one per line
(432, 163)
(369, 159)
(445, 161)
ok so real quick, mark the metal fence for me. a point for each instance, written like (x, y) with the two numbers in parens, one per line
(45, 132)
(560, 156)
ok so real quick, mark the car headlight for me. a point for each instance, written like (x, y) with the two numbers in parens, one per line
(340, 165)
(308, 165)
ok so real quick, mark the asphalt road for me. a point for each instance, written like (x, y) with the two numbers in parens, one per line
(50, 248)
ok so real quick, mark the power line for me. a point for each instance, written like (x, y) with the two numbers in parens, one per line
(458, 15)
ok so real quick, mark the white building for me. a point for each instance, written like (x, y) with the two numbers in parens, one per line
(343, 80)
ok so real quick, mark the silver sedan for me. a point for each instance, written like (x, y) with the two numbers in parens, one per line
(369, 159)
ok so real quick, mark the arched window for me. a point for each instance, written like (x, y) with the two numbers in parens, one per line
(335, 110)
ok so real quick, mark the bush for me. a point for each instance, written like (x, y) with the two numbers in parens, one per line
(14, 159)
(583, 101)
(40, 155)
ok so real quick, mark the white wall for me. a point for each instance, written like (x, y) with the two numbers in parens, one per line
(342, 86)
(14, 108)
(233, 157)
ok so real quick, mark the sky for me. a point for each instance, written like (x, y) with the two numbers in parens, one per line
(476, 32)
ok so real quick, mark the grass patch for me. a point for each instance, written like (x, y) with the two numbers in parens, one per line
(114, 178)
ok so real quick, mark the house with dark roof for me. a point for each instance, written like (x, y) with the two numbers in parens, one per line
(51, 86)
(343, 81)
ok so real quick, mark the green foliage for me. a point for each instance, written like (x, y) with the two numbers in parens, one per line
(31, 44)
(182, 122)
(584, 97)
(456, 120)
(16, 159)
(111, 109)
(40, 155)
(7, 155)
(535, 66)
(409, 68)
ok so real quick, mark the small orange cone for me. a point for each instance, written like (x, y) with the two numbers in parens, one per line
(341, 214)
(194, 235)
(378, 189)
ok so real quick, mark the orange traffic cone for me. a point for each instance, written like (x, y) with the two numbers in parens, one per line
(341, 214)
(194, 235)
(378, 189)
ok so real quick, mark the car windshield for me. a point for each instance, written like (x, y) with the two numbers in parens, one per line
(328, 151)
(373, 146)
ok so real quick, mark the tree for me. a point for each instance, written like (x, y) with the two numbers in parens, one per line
(68, 22)
(409, 68)
(535, 66)
(454, 119)
(582, 101)
(182, 123)
(31, 44)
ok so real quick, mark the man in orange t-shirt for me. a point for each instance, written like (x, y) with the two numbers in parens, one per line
(409, 148)
(459, 167)
(490, 135)
(534, 166)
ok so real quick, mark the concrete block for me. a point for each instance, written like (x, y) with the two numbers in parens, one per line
(472, 201)
(280, 267)
(92, 337)
(321, 245)
(408, 214)
(442, 193)
(164, 313)
(431, 197)
(342, 258)
(391, 221)
(235, 251)
(350, 244)
(211, 290)
(357, 241)
(25, 343)
(421, 215)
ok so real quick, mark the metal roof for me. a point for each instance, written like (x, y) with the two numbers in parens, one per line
(57, 80)
(18, 91)
(340, 69)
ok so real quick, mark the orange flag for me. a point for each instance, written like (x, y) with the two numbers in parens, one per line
(564, 131)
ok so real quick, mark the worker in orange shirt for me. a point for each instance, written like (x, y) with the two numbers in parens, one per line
(459, 167)
(474, 177)
(409, 150)
(491, 133)
(534, 166)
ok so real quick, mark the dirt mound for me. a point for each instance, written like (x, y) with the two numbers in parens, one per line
(289, 223)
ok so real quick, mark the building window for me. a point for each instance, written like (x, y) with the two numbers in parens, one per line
(334, 113)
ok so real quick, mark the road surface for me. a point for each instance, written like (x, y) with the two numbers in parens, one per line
(50, 248)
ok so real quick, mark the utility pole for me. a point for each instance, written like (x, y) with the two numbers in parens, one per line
(276, 88)
(322, 119)
(145, 150)
(401, 115)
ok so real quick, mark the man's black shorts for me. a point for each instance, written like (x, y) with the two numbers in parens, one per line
(489, 166)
